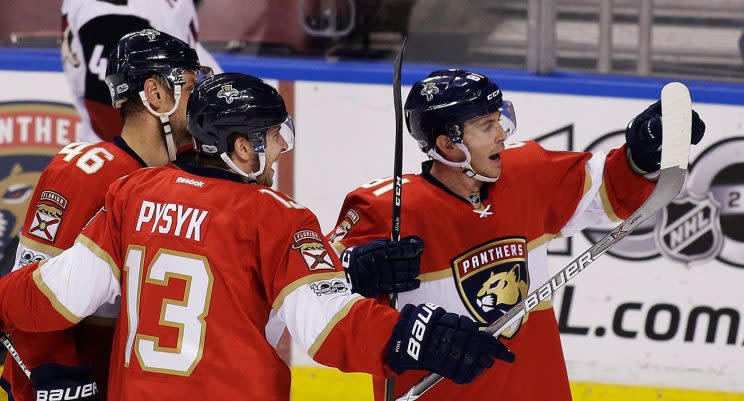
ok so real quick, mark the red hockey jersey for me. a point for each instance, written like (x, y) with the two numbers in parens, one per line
(482, 262)
(209, 270)
(70, 191)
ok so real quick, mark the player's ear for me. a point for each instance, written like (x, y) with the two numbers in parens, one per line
(242, 150)
(154, 92)
(445, 145)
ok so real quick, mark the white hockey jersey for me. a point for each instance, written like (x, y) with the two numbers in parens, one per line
(92, 28)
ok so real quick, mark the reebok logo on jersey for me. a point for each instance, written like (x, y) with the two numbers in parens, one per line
(190, 181)
(310, 246)
(48, 215)
(172, 219)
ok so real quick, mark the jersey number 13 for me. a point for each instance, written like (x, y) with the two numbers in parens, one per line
(186, 315)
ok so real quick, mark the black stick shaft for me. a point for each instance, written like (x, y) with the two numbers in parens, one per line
(397, 181)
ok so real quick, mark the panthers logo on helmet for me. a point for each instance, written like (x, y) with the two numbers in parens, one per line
(429, 90)
(31, 133)
(228, 93)
(310, 245)
(150, 33)
(491, 278)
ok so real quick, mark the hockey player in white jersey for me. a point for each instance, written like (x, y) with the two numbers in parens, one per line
(91, 30)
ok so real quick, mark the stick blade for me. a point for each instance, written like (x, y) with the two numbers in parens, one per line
(676, 120)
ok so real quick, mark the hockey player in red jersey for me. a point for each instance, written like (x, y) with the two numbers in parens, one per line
(496, 208)
(150, 75)
(211, 264)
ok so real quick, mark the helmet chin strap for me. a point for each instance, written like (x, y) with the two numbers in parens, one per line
(251, 176)
(170, 144)
(467, 169)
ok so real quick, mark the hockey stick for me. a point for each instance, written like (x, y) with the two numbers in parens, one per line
(397, 181)
(677, 125)
(14, 353)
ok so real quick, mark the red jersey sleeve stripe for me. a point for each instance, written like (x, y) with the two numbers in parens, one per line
(331, 324)
(607, 204)
(38, 246)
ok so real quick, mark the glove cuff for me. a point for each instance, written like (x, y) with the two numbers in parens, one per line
(652, 176)
(346, 263)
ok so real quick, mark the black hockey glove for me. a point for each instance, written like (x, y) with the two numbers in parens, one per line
(60, 382)
(644, 135)
(381, 266)
(428, 338)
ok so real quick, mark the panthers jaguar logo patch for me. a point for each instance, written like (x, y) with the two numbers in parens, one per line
(492, 277)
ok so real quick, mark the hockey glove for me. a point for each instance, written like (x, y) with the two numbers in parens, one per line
(428, 338)
(644, 138)
(60, 382)
(383, 266)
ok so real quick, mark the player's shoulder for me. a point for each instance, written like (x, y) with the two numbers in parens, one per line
(525, 154)
(523, 149)
(162, 178)
(380, 190)
(273, 200)
(92, 162)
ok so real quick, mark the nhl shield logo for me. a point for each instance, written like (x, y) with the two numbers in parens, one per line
(429, 90)
(688, 231)
(491, 278)
(228, 93)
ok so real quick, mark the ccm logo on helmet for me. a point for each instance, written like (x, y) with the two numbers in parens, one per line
(493, 95)
(67, 394)
(419, 328)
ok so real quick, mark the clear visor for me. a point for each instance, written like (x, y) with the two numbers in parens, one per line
(286, 130)
(507, 118)
(203, 73)
(178, 75)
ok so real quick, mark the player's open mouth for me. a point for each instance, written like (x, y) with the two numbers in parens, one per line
(495, 157)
